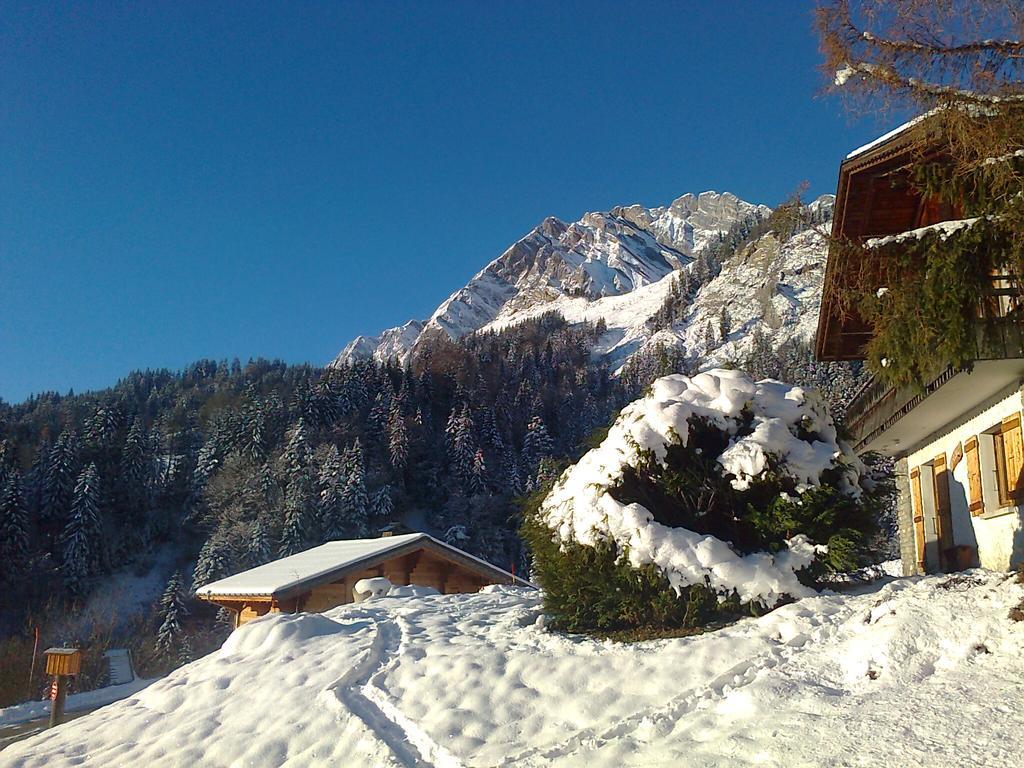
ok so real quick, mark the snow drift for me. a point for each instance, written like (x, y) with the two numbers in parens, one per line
(473, 680)
(773, 427)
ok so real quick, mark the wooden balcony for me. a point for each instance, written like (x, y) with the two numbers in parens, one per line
(897, 420)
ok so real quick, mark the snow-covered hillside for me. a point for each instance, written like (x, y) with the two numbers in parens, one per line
(922, 672)
(602, 255)
(769, 284)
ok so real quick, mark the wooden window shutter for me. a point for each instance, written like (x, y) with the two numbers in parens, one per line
(1013, 456)
(918, 509)
(943, 514)
(958, 453)
(975, 501)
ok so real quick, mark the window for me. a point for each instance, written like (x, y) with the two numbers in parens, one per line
(1009, 460)
(995, 463)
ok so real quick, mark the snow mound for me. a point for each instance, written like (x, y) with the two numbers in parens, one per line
(412, 590)
(377, 586)
(471, 680)
(789, 429)
(266, 636)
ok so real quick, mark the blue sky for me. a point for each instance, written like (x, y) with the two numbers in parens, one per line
(185, 180)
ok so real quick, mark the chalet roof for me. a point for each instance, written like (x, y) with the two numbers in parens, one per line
(874, 200)
(885, 137)
(333, 560)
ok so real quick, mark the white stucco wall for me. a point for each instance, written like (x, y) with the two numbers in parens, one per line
(999, 533)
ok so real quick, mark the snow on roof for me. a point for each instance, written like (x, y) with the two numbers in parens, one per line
(944, 229)
(886, 136)
(974, 110)
(280, 575)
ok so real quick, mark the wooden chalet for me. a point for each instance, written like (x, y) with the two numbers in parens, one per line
(957, 441)
(324, 577)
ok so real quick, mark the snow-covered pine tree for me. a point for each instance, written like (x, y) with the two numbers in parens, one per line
(260, 548)
(513, 477)
(13, 524)
(101, 429)
(398, 437)
(478, 478)
(709, 338)
(130, 508)
(80, 538)
(331, 483)
(254, 435)
(383, 508)
(377, 421)
(62, 470)
(133, 470)
(537, 445)
(456, 536)
(724, 323)
(172, 612)
(354, 500)
(294, 533)
(461, 446)
(489, 432)
(269, 486)
(298, 496)
(34, 481)
(207, 461)
(214, 561)
(700, 271)
(762, 362)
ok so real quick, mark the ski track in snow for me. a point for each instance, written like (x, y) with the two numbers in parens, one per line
(358, 692)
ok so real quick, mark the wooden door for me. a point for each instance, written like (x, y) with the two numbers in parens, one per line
(943, 514)
(918, 510)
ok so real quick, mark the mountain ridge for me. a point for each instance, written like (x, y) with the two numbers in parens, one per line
(602, 254)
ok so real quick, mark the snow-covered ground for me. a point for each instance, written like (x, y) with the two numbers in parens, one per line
(922, 672)
(75, 702)
(118, 598)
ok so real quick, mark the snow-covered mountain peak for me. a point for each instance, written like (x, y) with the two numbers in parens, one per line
(603, 254)
(689, 221)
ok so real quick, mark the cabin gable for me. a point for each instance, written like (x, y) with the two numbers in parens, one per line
(414, 560)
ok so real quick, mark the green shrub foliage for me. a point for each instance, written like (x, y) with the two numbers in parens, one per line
(595, 589)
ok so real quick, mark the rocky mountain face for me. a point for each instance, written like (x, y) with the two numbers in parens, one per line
(602, 255)
(770, 285)
(619, 268)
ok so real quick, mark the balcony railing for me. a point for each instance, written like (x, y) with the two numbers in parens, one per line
(877, 406)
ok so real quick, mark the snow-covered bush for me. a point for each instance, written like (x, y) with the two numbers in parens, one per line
(710, 494)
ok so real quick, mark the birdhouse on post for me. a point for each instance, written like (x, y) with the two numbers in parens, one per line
(62, 663)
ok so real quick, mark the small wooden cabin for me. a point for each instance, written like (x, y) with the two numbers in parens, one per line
(324, 577)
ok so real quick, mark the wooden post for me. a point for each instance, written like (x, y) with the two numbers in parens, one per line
(57, 704)
(63, 664)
